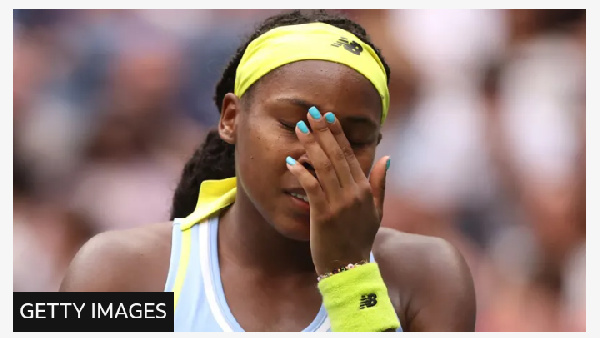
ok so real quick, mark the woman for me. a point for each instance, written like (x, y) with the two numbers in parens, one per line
(301, 247)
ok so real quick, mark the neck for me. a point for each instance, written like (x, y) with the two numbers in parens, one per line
(248, 240)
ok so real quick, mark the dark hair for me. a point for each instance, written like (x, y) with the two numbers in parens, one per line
(214, 159)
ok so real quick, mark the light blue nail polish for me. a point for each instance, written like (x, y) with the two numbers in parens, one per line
(330, 117)
(315, 113)
(290, 161)
(387, 164)
(303, 128)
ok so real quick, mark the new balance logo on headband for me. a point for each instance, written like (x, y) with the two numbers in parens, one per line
(368, 300)
(352, 47)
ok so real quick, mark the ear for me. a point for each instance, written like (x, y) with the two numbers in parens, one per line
(230, 109)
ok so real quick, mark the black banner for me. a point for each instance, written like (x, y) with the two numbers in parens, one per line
(93, 312)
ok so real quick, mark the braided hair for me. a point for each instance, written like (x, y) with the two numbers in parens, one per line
(214, 159)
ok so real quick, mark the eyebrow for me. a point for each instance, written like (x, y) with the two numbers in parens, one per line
(306, 105)
(297, 102)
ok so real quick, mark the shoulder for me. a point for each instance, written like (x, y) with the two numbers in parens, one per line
(135, 259)
(415, 252)
(429, 280)
(410, 261)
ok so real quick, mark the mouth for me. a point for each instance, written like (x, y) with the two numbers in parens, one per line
(299, 199)
(299, 196)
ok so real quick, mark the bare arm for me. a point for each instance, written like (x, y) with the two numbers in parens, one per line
(131, 260)
(96, 267)
(429, 280)
(446, 301)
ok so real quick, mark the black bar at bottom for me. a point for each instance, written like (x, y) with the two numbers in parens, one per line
(93, 312)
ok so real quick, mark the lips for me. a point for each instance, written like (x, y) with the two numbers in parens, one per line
(299, 196)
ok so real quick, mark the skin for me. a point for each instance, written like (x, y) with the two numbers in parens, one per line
(269, 242)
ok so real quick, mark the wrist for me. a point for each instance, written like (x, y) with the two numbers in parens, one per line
(357, 300)
(334, 265)
(342, 269)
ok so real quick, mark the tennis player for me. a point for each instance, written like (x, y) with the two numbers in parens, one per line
(276, 219)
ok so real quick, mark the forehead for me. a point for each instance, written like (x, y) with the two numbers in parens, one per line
(329, 86)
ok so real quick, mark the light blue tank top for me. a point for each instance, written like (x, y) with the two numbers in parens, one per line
(194, 276)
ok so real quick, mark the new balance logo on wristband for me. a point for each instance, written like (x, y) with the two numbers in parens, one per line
(368, 300)
(352, 47)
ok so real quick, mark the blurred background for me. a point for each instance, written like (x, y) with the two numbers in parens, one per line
(486, 132)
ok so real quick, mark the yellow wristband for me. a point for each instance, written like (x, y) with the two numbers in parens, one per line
(357, 300)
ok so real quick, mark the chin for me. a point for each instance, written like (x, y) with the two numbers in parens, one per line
(297, 229)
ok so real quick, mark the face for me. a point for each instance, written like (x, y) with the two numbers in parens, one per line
(262, 128)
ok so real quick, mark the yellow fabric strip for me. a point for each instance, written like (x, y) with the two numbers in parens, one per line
(214, 195)
(184, 259)
(313, 41)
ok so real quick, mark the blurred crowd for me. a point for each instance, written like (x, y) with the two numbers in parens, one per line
(486, 132)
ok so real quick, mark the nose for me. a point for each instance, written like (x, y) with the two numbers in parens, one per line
(305, 161)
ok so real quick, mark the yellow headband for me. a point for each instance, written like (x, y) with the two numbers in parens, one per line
(313, 41)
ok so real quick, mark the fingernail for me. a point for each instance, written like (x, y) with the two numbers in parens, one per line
(303, 128)
(290, 161)
(387, 164)
(315, 113)
(330, 117)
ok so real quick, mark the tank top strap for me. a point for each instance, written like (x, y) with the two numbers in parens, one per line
(183, 243)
